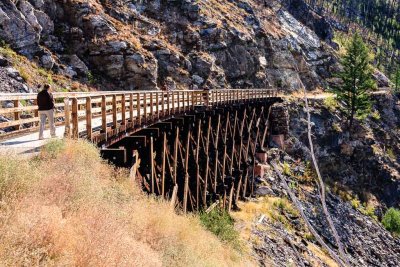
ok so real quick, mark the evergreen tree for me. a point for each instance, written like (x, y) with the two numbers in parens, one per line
(396, 80)
(356, 79)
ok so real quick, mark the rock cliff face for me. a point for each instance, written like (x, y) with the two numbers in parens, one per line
(181, 43)
(282, 238)
(366, 161)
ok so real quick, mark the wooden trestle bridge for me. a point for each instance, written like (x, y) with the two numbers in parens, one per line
(193, 145)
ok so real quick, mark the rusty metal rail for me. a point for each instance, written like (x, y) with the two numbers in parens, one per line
(99, 115)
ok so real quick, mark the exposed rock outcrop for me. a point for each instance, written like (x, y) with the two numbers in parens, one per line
(194, 44)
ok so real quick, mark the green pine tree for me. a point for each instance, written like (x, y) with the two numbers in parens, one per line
(397, 80)
(357, 80)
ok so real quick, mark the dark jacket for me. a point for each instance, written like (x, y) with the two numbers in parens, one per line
(45, 100)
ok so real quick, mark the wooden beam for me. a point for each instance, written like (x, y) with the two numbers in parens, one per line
(114, 111)
(176, 153)
(186, 188)
(152, 165)
(131, 109)
(123, 109)
(67, 112)
(158, 105)
(89, 118)
(163, 165)
(169, 103)
(197, 165)
(207, 162)
(75, 129)
(138, 110)
(145, 107)
(16, 114)
(151, 107)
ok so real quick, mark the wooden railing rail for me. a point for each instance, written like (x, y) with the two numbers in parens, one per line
(98, 115)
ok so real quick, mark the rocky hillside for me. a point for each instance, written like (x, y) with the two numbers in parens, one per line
(179, 44)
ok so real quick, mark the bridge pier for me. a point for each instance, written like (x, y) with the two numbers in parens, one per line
(209, 154)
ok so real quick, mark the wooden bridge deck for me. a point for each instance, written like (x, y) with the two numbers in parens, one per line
(101, 116)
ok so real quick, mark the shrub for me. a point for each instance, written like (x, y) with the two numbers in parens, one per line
(91, 78)
(368, 210)
(219, 222)
(287, 169)
(285, 206)
(331, 103)
(52, 148)
(376, 115)
(391, 153)
(24, 74)
(69, 208)
(16, 176)
(355, 202)
(391, 220)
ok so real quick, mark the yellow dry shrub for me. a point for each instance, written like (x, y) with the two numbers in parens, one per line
(70, 208)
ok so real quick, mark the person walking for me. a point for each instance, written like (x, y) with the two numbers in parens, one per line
(45, 102)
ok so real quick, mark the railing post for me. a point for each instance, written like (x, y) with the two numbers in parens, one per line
(145, 107)
(138, 109)
(16, 114)
(193, 100)
(36, 113)
(131, 109)
(184, 101)
(163, 104)
(114, 111)
(188, 100)
(75, 129)
(173, 102)
(168, 103)
(123, 109)
(67, 131)
(104, 115)
(179, 102)
(89, 118)
(151, 107)
(158, 105)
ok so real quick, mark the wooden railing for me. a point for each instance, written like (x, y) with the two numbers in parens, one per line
(98, 115)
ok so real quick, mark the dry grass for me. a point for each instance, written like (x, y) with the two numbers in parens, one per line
(34, 75)
(67, 207)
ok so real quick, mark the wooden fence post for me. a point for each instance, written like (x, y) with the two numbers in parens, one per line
(114, 111)
(131, 109)
(89, 118)
(123, 109)
(16, 114)
(138, 109)
(67, 110)
(104, 115)
(75, 129)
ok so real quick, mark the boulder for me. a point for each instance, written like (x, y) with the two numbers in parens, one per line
(45, 22)
(197, 79)
(16, 30)
(238, 61)
(202, 65)
(4, 62)
(47, 61)
(28, 12)
(78, 65)
(381, 79)
(12, 73)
